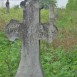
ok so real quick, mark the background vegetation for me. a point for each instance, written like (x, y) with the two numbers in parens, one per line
(58, 59)
(72, 5)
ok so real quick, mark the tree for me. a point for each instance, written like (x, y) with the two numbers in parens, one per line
(46, 3)
(72, 4)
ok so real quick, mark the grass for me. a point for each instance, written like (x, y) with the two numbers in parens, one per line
(6, 17)
(66, 24)
(58, 59)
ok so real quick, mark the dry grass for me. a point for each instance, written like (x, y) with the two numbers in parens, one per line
(2, 24)
(67, 41)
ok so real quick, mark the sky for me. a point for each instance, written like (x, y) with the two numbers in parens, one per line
(60, 3)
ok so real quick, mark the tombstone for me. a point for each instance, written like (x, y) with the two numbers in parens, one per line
(7, 6)
(31, 31)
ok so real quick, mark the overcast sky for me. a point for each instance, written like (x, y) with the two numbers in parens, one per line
(60, 3)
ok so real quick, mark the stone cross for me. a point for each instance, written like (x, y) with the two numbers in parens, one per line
(31, 31)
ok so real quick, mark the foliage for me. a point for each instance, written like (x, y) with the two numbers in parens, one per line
(72, 5)
(44, 16)
(58, 59)
(46, 3)
(56, 62)
(9, 56)
(6, 17)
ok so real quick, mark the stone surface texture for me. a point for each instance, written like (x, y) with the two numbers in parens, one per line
(31, 31)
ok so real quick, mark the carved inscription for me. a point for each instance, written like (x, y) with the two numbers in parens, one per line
(13, 30)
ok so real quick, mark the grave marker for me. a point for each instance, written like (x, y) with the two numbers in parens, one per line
(7, 6)
(31, 31)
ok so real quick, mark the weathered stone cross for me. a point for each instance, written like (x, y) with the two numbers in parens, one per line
(31, 31)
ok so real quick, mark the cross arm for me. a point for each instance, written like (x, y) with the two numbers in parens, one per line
(47, 32)
(13, 29)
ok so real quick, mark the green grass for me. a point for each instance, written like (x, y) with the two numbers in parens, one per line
(58, 59)
(44, 16)
(59, 63)
(9, 56)
(6, 17)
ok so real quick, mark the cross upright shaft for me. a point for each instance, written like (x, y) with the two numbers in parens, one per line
(30, 63)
